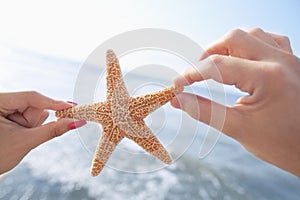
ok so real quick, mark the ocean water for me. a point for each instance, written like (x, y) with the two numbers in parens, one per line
(59, 169)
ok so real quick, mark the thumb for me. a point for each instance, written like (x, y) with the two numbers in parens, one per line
(192, 104)
(211, 113)
(44, 133)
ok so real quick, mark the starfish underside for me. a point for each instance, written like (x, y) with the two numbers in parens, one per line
(122, 116)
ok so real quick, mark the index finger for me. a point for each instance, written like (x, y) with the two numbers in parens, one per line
(223, 69)
(20, 100)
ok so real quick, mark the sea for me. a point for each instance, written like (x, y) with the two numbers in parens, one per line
(206, 164)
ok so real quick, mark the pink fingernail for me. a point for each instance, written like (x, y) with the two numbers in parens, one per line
(77, 124)
(71, 102)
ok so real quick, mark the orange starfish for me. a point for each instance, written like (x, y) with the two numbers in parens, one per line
(122, 116)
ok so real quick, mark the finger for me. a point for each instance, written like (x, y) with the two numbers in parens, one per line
(216, 115)
(43, 117)
(35, 116)
(223, 69)
(21, 100)
(263, 36)
(241, 44)
(31, 117)
(282, 41)
(41, 134)
(278, 41)
(18, 118)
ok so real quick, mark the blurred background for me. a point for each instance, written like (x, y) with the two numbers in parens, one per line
(43, 46)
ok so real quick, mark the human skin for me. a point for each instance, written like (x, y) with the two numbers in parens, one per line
(266, 121)
(21, 117)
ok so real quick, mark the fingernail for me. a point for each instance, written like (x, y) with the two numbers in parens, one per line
(178, 89)
(180, 81)
(176, 81)
(77, 124)
(71, 102)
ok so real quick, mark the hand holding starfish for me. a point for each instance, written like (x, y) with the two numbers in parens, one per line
(22, 115)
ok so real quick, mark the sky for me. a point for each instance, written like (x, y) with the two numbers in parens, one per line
(73, 29)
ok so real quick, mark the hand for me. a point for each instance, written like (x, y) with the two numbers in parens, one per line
(21, 116)
(267, 121)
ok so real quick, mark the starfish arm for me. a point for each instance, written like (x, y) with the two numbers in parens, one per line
(110, 138)
(145, 138)
(114, 79)
(97, 112)
(142, 106)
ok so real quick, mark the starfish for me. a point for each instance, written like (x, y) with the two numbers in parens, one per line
(122, 116)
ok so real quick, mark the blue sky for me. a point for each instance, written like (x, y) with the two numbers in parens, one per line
(74, 29)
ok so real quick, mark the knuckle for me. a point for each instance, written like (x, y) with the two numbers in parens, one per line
(217, 59)
(270, 72)
(54, 130)
(233, 40)
(235, 34)
(284, 40)
(32, 94)
(256, 31)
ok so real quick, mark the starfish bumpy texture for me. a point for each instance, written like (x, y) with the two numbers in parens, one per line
(122, 116)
